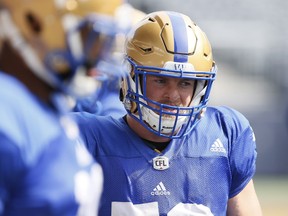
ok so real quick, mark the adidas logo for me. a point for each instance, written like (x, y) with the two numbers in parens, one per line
(160, 190)
(217, 146)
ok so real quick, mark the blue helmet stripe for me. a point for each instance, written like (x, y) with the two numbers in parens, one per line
(180, 37)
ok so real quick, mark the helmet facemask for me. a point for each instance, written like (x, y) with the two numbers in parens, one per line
(165, 120)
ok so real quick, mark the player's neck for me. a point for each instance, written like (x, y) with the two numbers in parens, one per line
(143, 132)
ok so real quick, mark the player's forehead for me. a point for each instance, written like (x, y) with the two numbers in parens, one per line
(168, 78)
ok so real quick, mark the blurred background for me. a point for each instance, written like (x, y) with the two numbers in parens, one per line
(250, 45)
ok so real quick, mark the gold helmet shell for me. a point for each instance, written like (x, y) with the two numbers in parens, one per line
(152, 43)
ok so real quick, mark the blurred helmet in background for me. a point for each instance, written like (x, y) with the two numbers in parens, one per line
(126, 17)
(60, 40)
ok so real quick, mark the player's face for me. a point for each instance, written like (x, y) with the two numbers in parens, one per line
(170, 91)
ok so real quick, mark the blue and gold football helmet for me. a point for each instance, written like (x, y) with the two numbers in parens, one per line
(167, 44)
(61, 40)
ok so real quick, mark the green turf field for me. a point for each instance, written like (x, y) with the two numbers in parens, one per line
(273, 194)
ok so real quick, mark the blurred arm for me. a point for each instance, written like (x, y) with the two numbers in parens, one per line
(245, 203)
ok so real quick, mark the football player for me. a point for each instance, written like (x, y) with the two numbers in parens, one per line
(172, 154)
(46, 51)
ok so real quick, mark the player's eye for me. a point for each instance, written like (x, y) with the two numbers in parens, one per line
(187, 83)
(160, 80)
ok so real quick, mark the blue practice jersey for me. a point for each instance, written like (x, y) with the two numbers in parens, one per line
(195, 174)
(43, 170)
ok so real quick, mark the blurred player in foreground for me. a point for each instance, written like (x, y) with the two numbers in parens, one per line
(108, 102)
(46, 51)
(171, 154)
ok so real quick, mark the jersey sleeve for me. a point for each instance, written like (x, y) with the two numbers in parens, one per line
(242, 152)
(242, 161)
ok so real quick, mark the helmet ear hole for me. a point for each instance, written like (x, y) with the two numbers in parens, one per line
(121, 94)
(33, 23)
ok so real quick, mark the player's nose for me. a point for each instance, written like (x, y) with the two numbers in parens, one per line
(172, 92)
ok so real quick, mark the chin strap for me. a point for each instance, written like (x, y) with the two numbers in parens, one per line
(199, 93)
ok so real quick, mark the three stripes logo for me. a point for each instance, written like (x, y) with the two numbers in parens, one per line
(160, 190)
(217, 146)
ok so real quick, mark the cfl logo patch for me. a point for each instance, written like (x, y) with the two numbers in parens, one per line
(160, 163)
